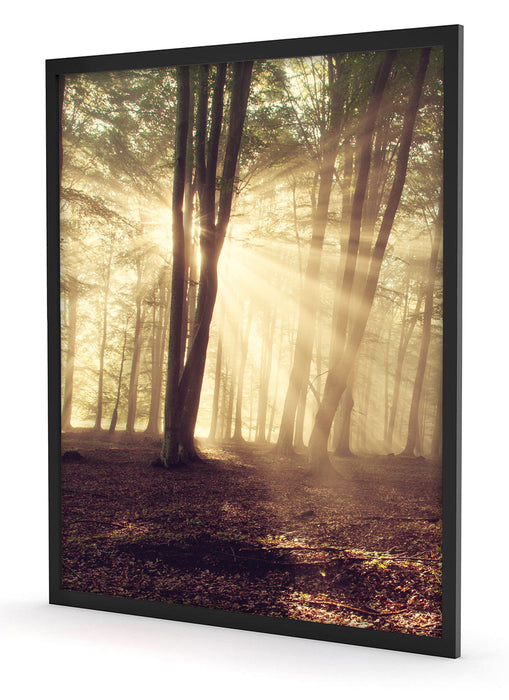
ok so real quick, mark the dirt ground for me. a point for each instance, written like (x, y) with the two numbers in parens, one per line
(253, 532)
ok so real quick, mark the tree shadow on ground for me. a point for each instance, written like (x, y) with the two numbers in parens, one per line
(248, 532)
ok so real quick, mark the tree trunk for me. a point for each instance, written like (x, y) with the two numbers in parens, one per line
(363, 445)
(265, 370)
(102, 351)
(170, 448)
(413, 420)
(223, 404)
(352, 245)
(189, 191)
(298, 439)
(386, 376)
(343, 311)
(244, 340)
(342, 434)
(406, 334)
(299, 375)
(436, 440)
(345, 415)
(132, 396)
(211, 240)
(318, 453)
(345, 356)
(421, 432)
(153, 427)
(251, 403)
(276, 387)
(114, 415)
(70, 354)
(217, 387)
(228, 420)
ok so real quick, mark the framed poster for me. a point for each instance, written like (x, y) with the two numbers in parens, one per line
(254, 335)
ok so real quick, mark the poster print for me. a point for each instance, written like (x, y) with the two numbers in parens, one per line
(252, 339)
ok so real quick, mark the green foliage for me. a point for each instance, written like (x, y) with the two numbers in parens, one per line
(118, 136)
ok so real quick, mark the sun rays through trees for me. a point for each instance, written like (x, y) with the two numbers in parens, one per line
(304, 194)
(251, 298)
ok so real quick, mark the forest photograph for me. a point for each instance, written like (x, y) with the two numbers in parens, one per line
(251, 333)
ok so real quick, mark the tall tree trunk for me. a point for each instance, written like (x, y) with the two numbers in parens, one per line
(436, 440)
(354, 246)
(265, 370)
(170, 448)
(102, 351)
(345, 356)
(211, 241)
(157, 362)
(386, 375)
(299, 375)
(114, 415)
(276, 387)
(218, 370)
(228, 420)
(298, 439)
(364, 403)
(413, 420)
(365, 148)
(378, 176)
(70, 354)
(189, 191)
(345, 413)
(342, 433)
(217, 386)
(406, 334)
(251, 403)
(244, 340)
(223, 404)
(352, 213)
(421, 431)
(132, 396)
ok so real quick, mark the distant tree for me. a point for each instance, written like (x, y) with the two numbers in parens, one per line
(114, 415)
(72, 291)
(104, 335)
(160, 320)
(328, 149)
(243, 350)
(346, 352)
(114, 141)
(413, 420)
(269, 323)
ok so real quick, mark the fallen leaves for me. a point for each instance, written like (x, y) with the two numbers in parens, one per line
(244, 532)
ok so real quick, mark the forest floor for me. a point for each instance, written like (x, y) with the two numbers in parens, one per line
(253, 532)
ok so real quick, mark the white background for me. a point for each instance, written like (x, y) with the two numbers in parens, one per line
(80, 654)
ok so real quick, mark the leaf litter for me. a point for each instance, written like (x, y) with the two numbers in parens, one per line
(249, 531)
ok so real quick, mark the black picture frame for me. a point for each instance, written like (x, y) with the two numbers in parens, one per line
(451, 39)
